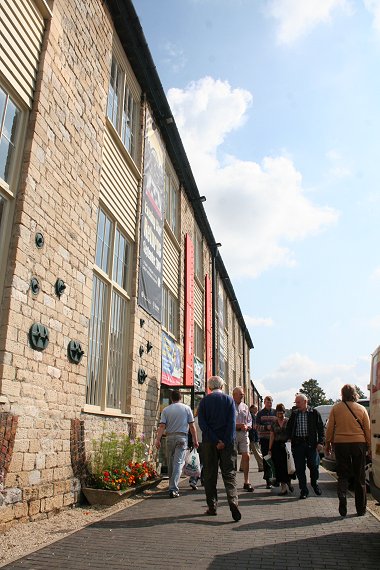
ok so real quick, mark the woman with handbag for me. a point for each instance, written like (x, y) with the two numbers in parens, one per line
(277, 450)
(349, 429)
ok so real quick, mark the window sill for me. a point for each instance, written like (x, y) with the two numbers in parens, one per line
(87, 409)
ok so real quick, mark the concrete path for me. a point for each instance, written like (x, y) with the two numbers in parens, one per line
(281, 533)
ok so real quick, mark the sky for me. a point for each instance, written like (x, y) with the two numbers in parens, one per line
(278, 106)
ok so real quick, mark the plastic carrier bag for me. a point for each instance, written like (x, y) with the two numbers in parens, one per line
(192, 466)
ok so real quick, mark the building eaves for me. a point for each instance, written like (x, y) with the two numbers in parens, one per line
(131, 36)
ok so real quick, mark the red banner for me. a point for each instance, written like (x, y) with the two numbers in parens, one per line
(189, 313)
(208, 327)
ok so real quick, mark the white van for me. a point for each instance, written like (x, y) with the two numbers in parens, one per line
(324, 410)
(374, 387)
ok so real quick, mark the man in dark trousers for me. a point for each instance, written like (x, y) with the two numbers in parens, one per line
(216, 417)
(305, 430)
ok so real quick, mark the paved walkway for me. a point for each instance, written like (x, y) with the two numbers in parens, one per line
(280, 533)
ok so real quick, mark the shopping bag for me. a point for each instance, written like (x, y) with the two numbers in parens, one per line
(192, 466)
(289, 458)
(271, 470)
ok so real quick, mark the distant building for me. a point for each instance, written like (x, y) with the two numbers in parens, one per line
(112, 286)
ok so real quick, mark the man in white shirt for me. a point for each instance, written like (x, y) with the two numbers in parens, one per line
(176, 420)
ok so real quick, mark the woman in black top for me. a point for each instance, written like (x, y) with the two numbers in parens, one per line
(277, 449)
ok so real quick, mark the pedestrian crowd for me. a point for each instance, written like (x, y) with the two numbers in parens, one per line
(224, 426)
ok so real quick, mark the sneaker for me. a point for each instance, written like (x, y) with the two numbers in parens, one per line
(236, 515)
(342, 506)
(173, 494)
(193, 485)
(304, 494)
(317, 490)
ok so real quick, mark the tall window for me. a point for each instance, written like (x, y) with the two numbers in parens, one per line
(169, 311)
(171, 204)
(10, 116)
(198, 342)
(107, 362)
(198, 255)
(122, 108)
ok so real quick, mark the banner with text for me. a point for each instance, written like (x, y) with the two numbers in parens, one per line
(152, 222)
(171, 362)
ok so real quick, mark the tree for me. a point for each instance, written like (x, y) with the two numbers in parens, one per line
(360, 392)
(314, 393)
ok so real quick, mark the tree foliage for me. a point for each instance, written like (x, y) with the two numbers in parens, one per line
(314, 393)
(360, 392)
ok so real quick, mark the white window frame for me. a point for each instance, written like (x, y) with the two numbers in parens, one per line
(121, 93)
(199, 344)
(8, 189)
(111, 303)
(172, 203)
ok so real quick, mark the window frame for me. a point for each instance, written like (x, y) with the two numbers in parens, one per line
(198, 256)
(116, 117)
(114, 294)
(172, 203)
(169, 300)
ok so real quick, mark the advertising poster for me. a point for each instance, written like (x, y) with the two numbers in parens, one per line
(221, 331)
(152, 223)
(171, 362)
(199, 375)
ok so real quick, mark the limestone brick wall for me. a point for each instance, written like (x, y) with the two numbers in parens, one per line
(58, 197)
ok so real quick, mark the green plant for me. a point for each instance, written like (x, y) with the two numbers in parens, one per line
(113, 453)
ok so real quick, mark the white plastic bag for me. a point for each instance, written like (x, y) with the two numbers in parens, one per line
(289, 458)
(192, 466)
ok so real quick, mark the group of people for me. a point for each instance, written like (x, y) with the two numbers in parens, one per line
(226, 426)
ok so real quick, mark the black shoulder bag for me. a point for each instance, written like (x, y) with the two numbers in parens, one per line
(357, 419)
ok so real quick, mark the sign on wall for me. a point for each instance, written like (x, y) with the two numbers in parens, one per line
(171, 362)
(221, 330)
(152, 223)
(199, 375)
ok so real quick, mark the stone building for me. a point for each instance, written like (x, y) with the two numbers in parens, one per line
(111, 282)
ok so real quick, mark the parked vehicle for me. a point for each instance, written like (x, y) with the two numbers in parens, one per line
(374, 387)
(324, 410)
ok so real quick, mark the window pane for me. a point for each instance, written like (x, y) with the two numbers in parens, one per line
(95, 377)
(113, 93)
(126, 127)
(6, 150)
(103, 241)
(117, 352)
(120, 263)
(2, 206)
(11, 120)
(3, 97)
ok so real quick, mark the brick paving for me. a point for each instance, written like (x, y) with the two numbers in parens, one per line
(280, 533)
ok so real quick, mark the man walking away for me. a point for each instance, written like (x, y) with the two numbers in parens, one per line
(176, 419)
(305, 429)
(216, 415)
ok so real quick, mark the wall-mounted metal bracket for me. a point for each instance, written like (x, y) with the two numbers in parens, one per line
(75, 351)
(142, 322)
(141, 376)
(149, 347)
(141, 350)
(38, 336)
(39, 239)
(59, 287)
(35, 286)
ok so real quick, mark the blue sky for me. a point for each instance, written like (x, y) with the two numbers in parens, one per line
(278, 106)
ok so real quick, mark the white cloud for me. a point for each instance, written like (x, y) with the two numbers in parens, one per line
(338, 168)
(376, 274)
(174, 57)
(296, 18)
(287, 379)
(255, 210)
(375, 322)
(258, 321)
(373, 6)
